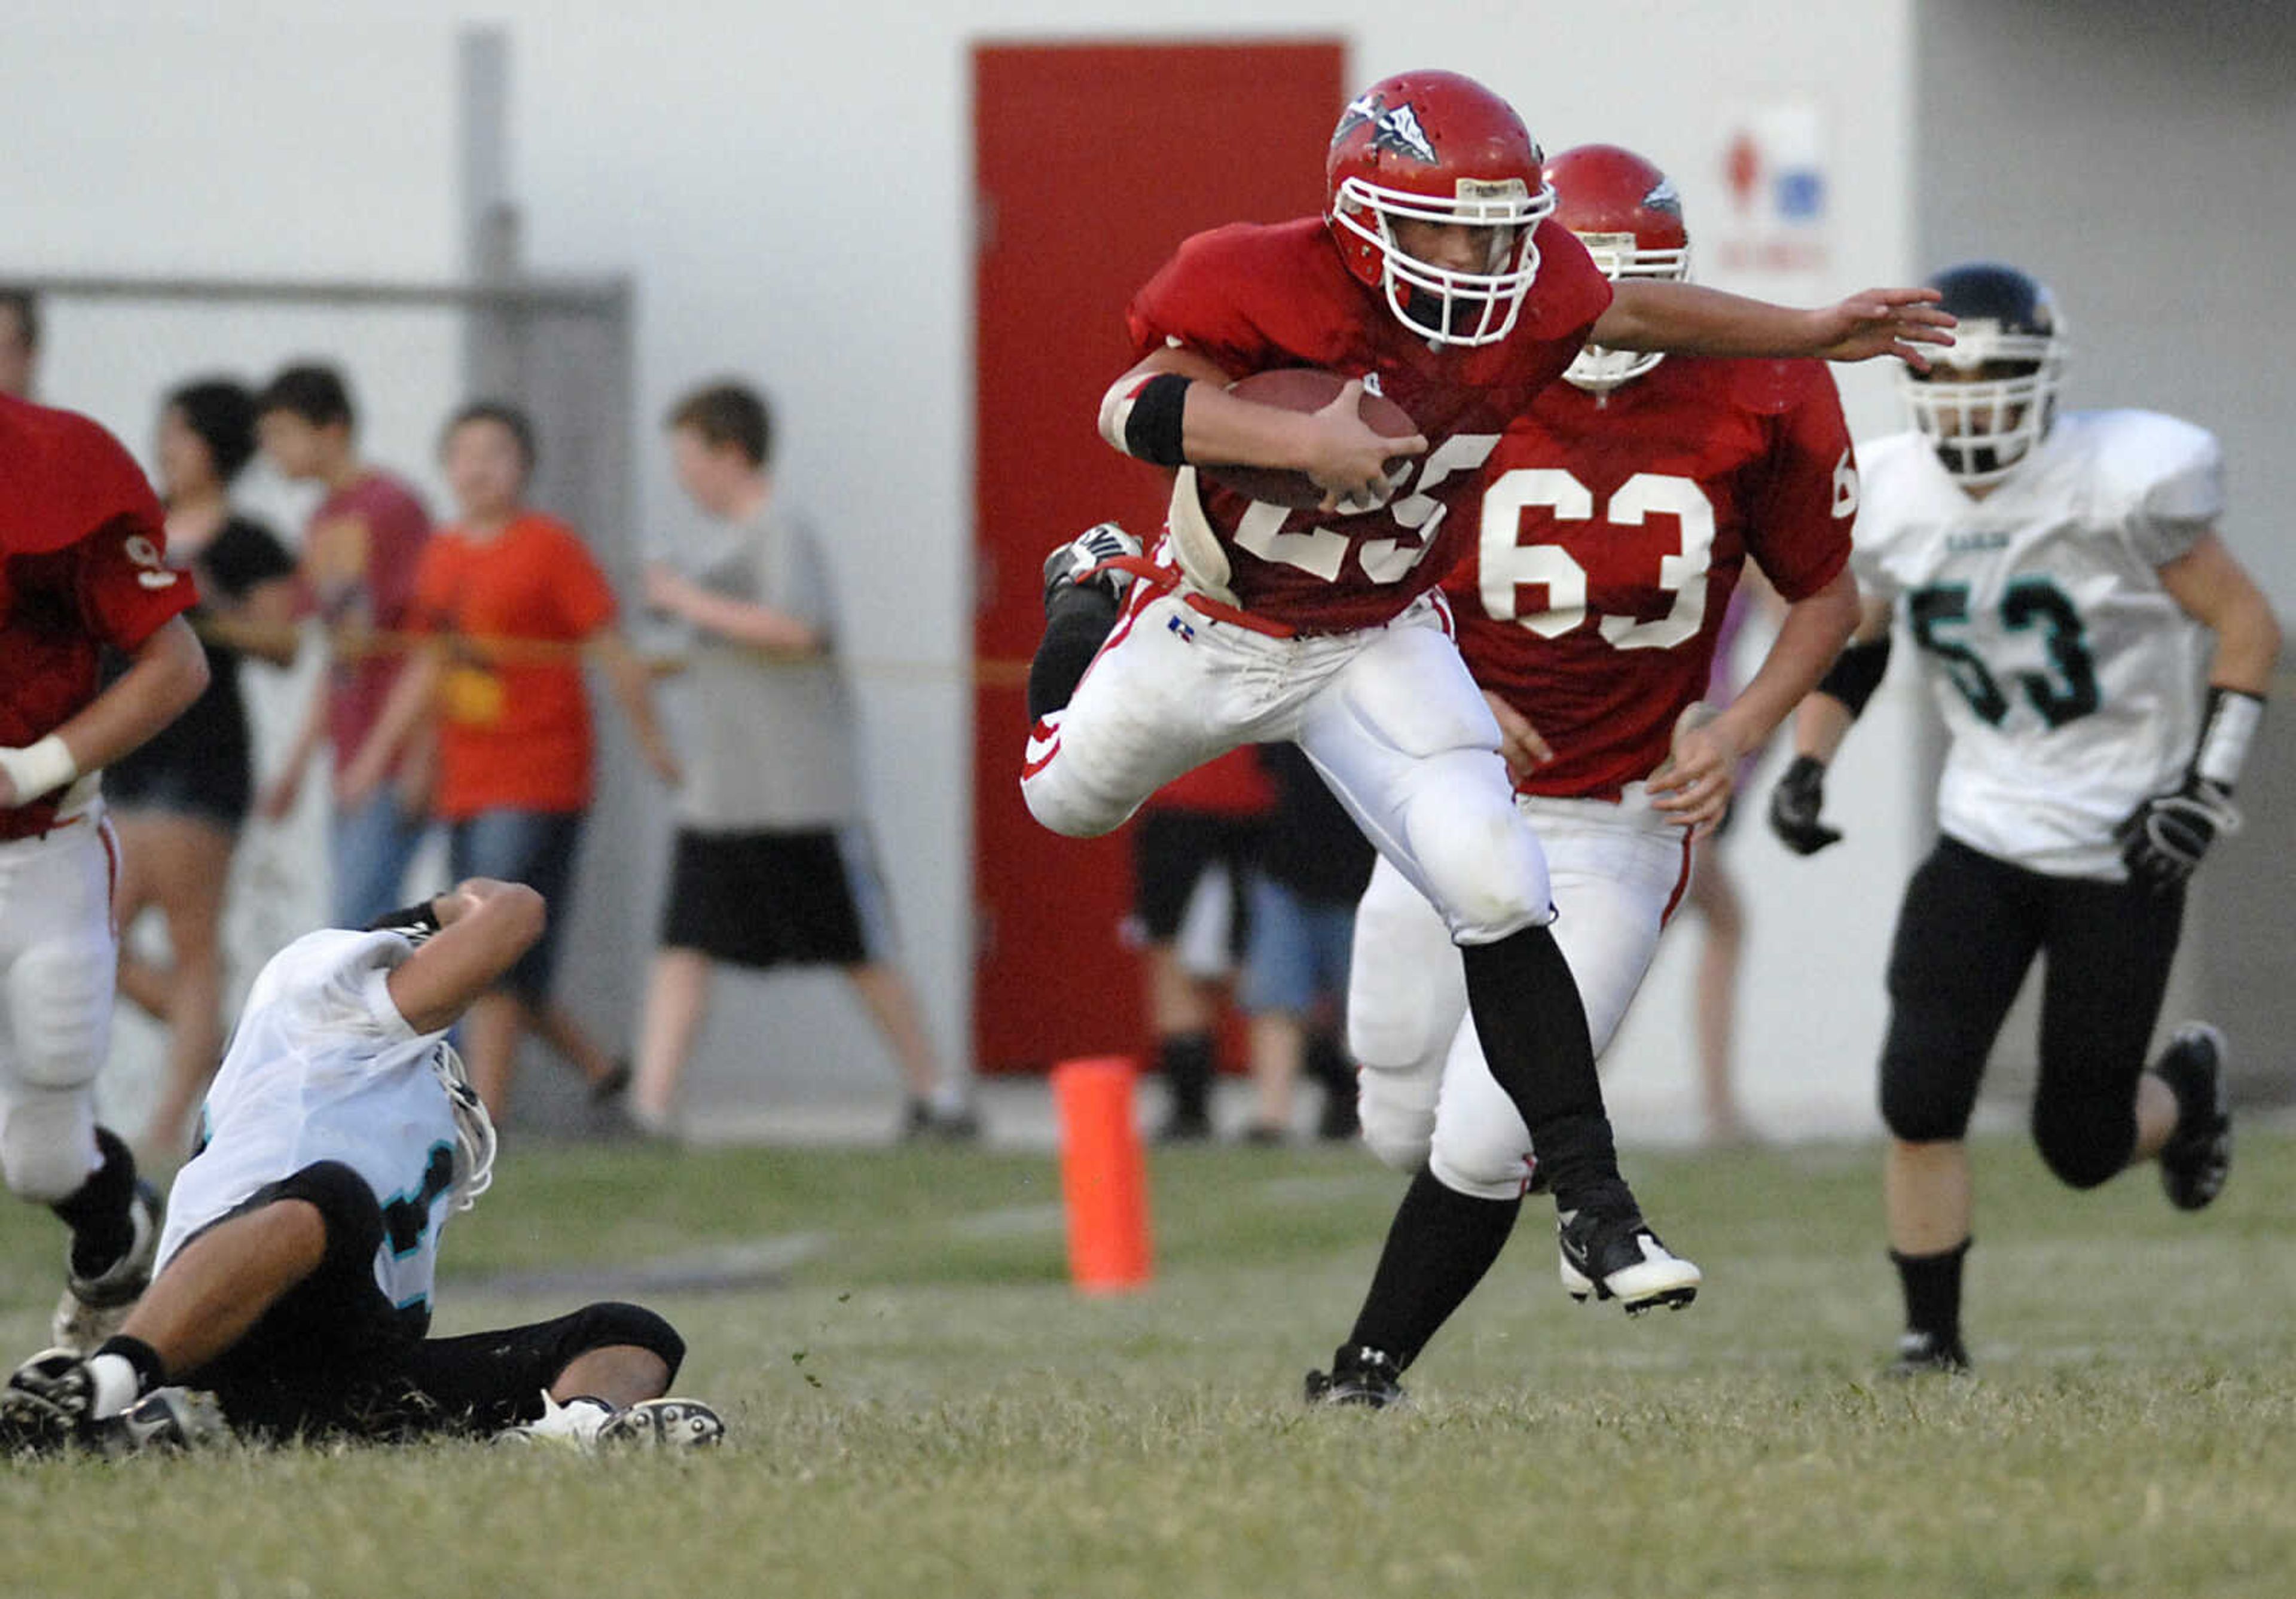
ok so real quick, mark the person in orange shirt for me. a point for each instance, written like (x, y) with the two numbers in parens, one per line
(513, 603)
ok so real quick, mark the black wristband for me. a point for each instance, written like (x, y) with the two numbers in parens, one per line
(418, 921)
(1153, 429)
(1856, 673)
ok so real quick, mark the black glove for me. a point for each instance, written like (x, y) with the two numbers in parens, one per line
(2163, 839)
(1794, 806)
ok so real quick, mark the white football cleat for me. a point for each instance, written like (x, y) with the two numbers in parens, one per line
(1613, 1255)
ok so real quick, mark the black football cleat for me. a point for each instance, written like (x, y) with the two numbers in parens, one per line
(44, 1406)
(1070, 563)
(1359, 1376)
(1924, 1354)
(2197, 1159)
(1610, 1253)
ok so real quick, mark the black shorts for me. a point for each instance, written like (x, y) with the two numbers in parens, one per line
(334, 1357)
(807, 898)
(1171, 852)
(1968, 932)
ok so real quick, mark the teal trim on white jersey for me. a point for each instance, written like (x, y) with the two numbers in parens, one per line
(323, 1067)
(2070, 679)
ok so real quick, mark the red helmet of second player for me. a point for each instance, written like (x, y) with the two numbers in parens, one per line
(1439, 148)
(1627, 214)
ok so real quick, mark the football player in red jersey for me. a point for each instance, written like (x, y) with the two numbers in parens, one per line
(82, 566)
(1618, 513)
(1438, 276)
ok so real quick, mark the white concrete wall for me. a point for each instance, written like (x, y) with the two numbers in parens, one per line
(790, 186)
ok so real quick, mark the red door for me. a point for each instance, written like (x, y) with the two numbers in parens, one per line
(1093, 162)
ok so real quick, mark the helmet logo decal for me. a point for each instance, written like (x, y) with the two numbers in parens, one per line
(1397, 128)
(1664, 199)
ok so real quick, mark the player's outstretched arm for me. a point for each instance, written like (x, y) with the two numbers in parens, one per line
(484, 927)
(1174, 408)
(166, 673)
(1690, 320)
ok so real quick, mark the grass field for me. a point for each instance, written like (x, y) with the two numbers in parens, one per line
(923, 1408)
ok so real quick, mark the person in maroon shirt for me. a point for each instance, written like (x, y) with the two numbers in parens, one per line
(1436, 276)
(83, 567)
(360, 552)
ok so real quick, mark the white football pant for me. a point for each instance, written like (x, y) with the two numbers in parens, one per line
(57, 957)
(1386, 715)
(1425, 1094)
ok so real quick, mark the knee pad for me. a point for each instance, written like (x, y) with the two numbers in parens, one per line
(1406, 990)
(347, 1207)
(1481, 1146)
(1923, 1103)
(1397, 1108)
(1056, 795)
(47, 1143)
(2083, 1145)
(611, 1324)
(1476, 856)
(59, 998)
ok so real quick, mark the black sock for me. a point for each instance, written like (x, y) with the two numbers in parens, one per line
(1532, 1026)
(1440, 1244)
(149, 1372)
(1187, 1060)
(97, 1212)
(1077, 623)
(1932, 1285)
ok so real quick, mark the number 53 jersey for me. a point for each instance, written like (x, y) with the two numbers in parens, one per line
(1612, 532)
(2069, 677)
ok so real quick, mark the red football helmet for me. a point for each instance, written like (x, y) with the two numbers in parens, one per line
(1627, 214)
(1440, 148)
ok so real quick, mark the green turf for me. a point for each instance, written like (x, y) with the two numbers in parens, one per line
(925, 1409)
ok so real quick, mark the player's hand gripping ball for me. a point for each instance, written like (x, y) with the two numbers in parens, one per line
(1308, 389)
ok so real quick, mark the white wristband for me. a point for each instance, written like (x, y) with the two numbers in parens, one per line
(2232, 719)
(38, 767)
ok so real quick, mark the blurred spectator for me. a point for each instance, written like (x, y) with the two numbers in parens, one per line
(360, 550)
(512, 602)
(1314, 866)
(1193, 846)
(772, 864)
(179, 800)
(20, 342)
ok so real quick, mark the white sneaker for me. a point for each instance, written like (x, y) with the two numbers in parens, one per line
(93, 1309)
(573, 1425)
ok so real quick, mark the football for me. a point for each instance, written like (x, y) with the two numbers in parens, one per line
(1307, 389)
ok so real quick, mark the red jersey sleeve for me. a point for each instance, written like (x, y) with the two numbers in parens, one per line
(584, 598)
(122, 585)
(1800, 530)
(1199, 298)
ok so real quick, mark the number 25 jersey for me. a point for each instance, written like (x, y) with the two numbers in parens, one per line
(2069, 677)
(1612, 532)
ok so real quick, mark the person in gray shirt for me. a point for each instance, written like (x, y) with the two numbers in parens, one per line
(772, 864)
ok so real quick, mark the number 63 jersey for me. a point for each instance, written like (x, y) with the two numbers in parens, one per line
(2069, 677)
(1613, 529)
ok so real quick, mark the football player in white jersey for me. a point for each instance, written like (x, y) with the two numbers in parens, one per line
(2064, 579)
(295, 1274)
